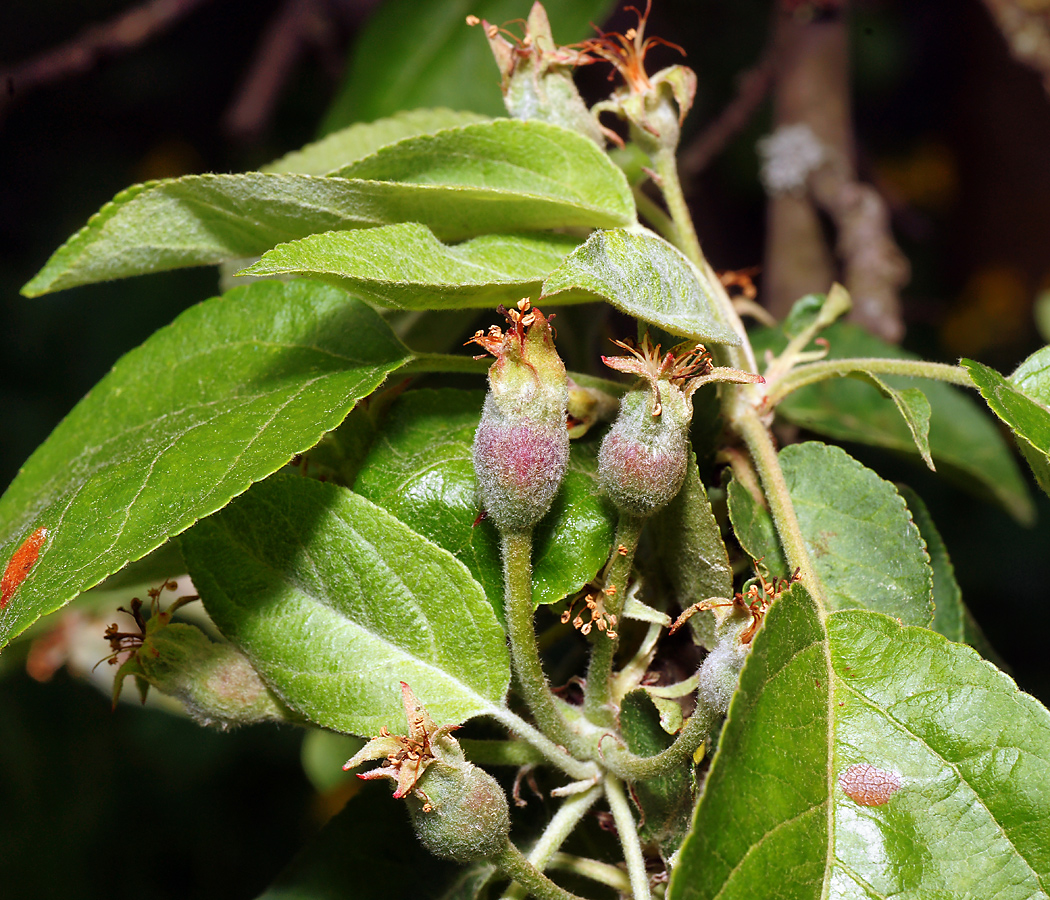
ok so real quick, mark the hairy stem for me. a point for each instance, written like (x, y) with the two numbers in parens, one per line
(552, 752)
(601, 872)
(560, 827)
(628, 833)
(837, 368)
(525, 653)
(656, 217)
(597, 703)
(764, 454)
(630, 767)
(501, 753)
(513, 864)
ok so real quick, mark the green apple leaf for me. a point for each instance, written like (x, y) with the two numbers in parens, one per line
(504, 159)
(336, 602)
(862, 759)
(415, 53)
(1032, 377)
(420, 469)
(963, 441)
(689, 543)
(363, 139)
(406, 266)
(914, 408)
(219, 399)
(859, 533)
(643, 275)
(503, 176)
(666, 803)
(1028, 419)
(754, 529)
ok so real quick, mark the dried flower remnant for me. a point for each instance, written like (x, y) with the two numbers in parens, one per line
(869, 785)
(23, 559)
(407, 756)
(593, 598)
(536, 74)
(754, 602)
(654, 105)
(627, 52)
(458, 811)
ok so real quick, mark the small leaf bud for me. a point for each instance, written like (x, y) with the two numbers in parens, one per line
(537, 75)
(521, 447)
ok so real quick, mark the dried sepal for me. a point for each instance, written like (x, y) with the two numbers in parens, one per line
(407, 756)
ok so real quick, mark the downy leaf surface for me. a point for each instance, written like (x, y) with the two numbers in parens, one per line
(643, 275)
(347, 145)
(420, 469)
(862, 759)
(336, 602)
(407, 266)
(690, 546)
(502, 176)
(859, 533)
(507, 156)
(219, 399)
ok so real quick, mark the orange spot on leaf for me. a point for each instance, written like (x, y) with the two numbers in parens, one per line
(18, 568)
(869, 786)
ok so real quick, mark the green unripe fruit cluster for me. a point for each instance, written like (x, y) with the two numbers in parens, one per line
(467, 819)
(642, 461)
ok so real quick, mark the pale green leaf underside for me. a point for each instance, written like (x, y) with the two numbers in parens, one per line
(407, 266)
(217, 400)
(971, 818)
(420, 469)
(964, 442)
(536, 177)
(336, 602)
(363, 138)
(644, 276)
(859, 533)
(528, 158)
(1032, 377)
(1028, 419)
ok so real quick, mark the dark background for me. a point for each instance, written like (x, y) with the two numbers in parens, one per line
(954, 132)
